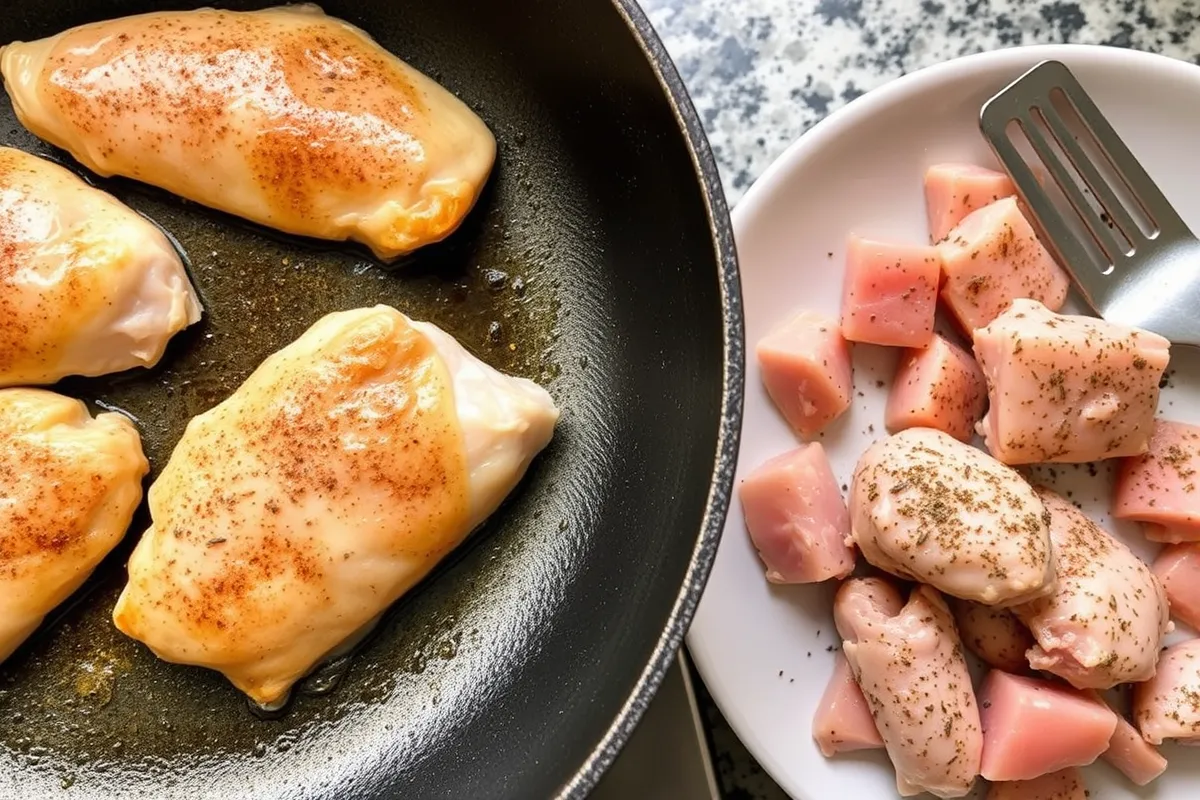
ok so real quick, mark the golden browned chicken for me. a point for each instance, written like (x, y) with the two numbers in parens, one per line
(69, 485)
(292, 514)
(285, 116)
(87, 285)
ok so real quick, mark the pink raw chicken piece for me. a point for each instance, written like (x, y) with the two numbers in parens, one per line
(806, 368)
(1065, 388)
(994, 635)
(992, 258)
(1033, 727)
(797, 518)
(1170, 534)
(1128, 752)
(1168, 705)
(952, 191)
(1160, 486)
(1105, 620)
(1178, 567)
(843, 722)
(890, 293)
(1066, 784)
(938, 387)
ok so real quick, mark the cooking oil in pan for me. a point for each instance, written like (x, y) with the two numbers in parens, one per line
(79, 698)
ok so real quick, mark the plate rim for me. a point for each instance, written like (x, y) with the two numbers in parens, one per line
(703, 646)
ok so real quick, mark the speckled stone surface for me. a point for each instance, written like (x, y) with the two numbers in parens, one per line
(761, 72)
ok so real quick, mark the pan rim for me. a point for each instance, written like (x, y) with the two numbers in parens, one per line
(712, 525)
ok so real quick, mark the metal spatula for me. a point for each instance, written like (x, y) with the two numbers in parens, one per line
(1141, 266)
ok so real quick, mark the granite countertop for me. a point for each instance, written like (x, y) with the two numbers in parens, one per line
(763, 71)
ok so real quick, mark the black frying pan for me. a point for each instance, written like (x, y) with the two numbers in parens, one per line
(599, 262)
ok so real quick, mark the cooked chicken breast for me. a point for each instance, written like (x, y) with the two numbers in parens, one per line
(285, 116)
(1105, 621)
(87, 285)
(69, 485)
(909, 663)
(291, 515)
(926, 507)
(1168, 705)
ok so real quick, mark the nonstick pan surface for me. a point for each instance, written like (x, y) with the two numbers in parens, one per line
(599, 262)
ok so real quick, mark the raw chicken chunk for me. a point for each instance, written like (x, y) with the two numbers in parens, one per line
(890, 293)
(1066, 784)
(1178, 569)
(1128, 752)
(1106, 619)
(1065, 388)
(909, 664)
(284, 116)
(1033, 727)
(843, 722)
(1168, 705)
(993, 634)
(1170, 534)
(806, 369)
(797, 518)
(954, 190)
(926, 507)
(87, 285)
(1159, 486)
(291, 515)
(69, 485)
(992, 258)
(939, 387)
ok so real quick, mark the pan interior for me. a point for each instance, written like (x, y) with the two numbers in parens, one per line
(588, 266)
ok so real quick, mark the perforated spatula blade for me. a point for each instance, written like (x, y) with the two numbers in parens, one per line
(1137, 262)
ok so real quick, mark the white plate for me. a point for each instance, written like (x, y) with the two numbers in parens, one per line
(763, 650)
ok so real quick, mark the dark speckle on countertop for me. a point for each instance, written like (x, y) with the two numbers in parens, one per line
(761, 72)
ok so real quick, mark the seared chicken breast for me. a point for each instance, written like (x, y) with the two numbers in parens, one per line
(285, 116)
(69, 485)
(87, 285)
(926, 507)
(291, 515)
(1106, 619)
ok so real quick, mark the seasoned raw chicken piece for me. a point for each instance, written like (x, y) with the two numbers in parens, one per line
(889, 294)
(1067, 388)
(69, 485)
(284, 116)
(955, 190)
(939, 386)
(1066, 784)
(993, 634)
(293, 513)
(797, 518)
(1033, 727)
(926, 507)
(909, 663)
(1159, 486)
(843, 722)
(87, 285)
(1168, 705)
(1106, 618)
(993, 257)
